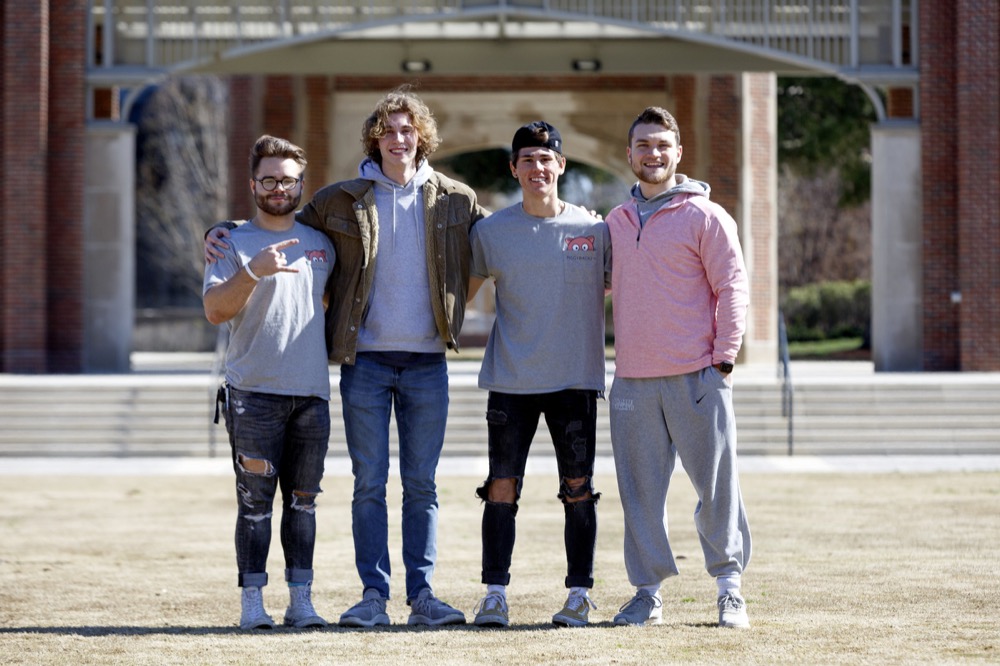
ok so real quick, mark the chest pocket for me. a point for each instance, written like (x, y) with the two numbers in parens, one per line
(581, 262)
(343, 227)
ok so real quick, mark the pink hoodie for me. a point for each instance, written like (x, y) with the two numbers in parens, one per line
(679, 288)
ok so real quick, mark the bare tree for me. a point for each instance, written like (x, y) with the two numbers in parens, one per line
(819, 239)
(181, 185)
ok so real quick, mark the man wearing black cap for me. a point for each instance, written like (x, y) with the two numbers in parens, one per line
(551, 264)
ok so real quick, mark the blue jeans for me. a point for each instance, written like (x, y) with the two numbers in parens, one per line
(276, 440)
(512, 420)
(370, 390)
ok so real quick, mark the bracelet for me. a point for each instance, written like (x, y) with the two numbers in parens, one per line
(253, 277)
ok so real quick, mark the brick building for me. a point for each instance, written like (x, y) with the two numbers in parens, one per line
(951, 282)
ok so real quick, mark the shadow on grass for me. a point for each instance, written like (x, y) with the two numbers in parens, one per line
(97, 632)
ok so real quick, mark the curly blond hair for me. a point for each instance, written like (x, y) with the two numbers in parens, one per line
(400, 100)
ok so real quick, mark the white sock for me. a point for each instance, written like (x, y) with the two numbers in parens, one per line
(729, 584)
(579, 591)
(497, 589)
(653, 590)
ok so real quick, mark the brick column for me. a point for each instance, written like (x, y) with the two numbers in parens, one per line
(242, 134)
(978, 171)
(317, 135)
(23, 200)
(685, 93)
(724, 111)
(740, 130)
(65, 171)
(728, 130)
(939, 150)
(279, 107)
(759, 193)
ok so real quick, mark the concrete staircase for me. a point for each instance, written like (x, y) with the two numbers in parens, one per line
(165, 408)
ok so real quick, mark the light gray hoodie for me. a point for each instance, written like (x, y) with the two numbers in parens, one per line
(399, 316)
(684, 185)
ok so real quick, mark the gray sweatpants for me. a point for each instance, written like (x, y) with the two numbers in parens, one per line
(652, 422)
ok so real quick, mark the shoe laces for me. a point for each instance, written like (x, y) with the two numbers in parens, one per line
(648, 599)
(373, 606)
(302, 601)
(426, 604)
(252, 599)
(730, 602)
(253, 605)
(492, 601)
(577, 602)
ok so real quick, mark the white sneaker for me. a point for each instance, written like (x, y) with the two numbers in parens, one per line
(642, 609)
(733, 612)
(300, 612)
(253, 615)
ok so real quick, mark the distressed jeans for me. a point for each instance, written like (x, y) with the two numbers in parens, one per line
(512, 420)
(370, 391)
(276, 440)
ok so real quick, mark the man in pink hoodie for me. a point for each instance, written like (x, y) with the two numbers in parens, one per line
(680, 293)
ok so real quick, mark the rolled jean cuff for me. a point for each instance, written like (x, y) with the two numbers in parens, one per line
(496, 578)
(253, 579)
(298, 576)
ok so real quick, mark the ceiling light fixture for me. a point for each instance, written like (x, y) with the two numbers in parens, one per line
(416, 66)
(593, 65)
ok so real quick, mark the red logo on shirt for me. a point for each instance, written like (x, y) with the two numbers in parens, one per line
(580, 244)
(316, 255)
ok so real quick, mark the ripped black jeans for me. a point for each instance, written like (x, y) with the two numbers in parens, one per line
(512, 420)
(278, 441)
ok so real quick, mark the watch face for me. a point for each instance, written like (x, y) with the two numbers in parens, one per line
(726, 367)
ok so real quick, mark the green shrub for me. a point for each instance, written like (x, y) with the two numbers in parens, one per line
(828, 310)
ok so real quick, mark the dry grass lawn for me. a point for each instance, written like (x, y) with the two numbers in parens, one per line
(847, 569)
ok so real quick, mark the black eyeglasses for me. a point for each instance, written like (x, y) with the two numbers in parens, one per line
(286, 183)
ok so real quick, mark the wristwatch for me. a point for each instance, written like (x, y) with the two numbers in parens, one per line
(725, 367)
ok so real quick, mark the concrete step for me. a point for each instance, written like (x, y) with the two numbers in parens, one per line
(836, 410)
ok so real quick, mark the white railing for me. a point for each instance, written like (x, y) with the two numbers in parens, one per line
(845, 35)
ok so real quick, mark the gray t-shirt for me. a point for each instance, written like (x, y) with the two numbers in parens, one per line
(277, 342)
(550, 276)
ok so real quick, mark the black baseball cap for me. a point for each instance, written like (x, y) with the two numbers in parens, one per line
(527, 137)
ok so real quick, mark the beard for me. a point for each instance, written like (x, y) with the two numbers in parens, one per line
(278, 209)
(657, 177)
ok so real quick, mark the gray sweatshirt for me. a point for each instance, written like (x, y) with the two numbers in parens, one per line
(399, 315)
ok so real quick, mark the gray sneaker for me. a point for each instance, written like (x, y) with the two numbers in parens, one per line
(491, 611)
(428, 609)
(575, 612)
(368, 612)
(300, 612)
(253, 615)
(733, 612)
(644, 608)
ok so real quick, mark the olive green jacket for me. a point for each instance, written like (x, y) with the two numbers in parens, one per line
(346, 212)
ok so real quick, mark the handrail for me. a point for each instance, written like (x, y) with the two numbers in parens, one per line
(785, 375)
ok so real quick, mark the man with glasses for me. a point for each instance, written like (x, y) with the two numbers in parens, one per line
(397, 303)
(268, 288)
